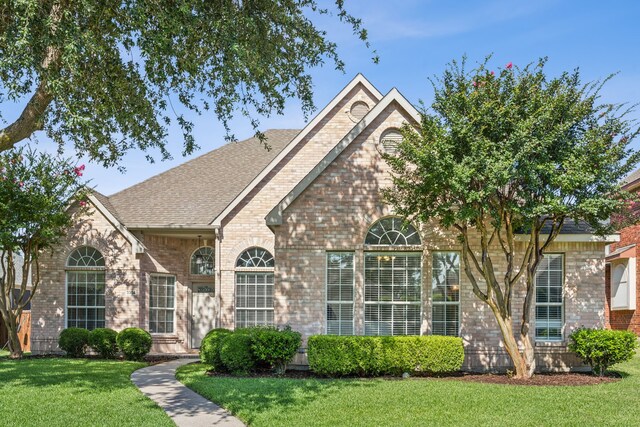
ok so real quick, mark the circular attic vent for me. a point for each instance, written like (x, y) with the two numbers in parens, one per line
(358, 110)
(390, 140)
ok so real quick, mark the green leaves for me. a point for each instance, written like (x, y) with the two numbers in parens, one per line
(514, 140)
(118, 70)
(35, 193)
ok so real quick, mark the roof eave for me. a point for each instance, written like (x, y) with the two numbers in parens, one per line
(136, 245)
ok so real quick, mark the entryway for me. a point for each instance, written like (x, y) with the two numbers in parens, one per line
(202, 311)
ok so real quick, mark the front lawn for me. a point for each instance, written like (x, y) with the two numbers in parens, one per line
(74, 392)
(356, 402)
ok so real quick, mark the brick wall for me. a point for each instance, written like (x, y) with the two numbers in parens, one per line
(625, 319)
(335, 212)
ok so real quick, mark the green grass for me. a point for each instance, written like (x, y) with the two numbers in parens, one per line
(74, 392)
(356, 402)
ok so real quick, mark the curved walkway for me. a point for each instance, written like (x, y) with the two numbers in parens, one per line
(184, 406)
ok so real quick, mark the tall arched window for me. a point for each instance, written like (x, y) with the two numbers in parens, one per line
(85, 288)
(393, 279)
(254, 288)
(202, 261)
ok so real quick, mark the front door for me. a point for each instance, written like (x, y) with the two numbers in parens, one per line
(202, 311)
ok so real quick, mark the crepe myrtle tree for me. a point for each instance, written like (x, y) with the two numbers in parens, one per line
(36, 191)
(506, 158)
(105, 75)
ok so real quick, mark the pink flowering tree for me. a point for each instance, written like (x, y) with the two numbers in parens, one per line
(505, 159)
(36, 190)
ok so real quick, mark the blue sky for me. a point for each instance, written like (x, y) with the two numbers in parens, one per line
(415, 39)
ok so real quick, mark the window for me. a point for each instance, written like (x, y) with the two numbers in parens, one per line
(390, 140)
(623, 284)
(445, 294)
(340, 283)
(254, 289)
(549, 295)
(202, 261)
(255, 258)
(162, 303)
(85, 277)
(392, 231)
(392, 293)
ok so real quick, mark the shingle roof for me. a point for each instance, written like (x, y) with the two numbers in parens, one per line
(195, 192)
(631, 178)
(106, 202)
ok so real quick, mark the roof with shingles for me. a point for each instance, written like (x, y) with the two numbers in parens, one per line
(631, 178)
(195, 192)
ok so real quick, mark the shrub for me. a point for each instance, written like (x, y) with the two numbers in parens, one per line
(210, 348)
(369, 356)
(135, 343)
(235, 353)
(275, 347)
(103, 341)
(74, 341)
(602, 348)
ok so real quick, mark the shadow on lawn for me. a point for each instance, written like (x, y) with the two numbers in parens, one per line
(82, 374)
(264, 394)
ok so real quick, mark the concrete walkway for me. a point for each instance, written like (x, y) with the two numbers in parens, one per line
(184, 406)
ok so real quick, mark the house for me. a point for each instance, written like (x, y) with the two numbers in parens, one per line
(622, 284)
(299, 236)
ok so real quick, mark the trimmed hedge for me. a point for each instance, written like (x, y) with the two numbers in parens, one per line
(235, 353)
(333, 355)
(103, 341)
(210, 348)
(274, 347)
(135, 343)
(74, 341)
(603, 348)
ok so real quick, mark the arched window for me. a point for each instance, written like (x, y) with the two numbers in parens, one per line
(85, 288)
(254, 288)
(393, 280)
(392, 231)
(85, 256)
(255, 257)
(202, 261)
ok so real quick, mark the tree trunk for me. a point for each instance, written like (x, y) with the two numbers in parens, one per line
(15, 346)
(523, 362)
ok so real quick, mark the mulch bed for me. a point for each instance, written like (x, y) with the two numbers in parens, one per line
(544, 379)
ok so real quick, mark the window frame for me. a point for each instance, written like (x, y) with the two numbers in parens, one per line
(85, 269)
(175, 303)
(561, 304)
(253, 271)
(327, 301)
(419, 302)
(213, 262)
(447, 303)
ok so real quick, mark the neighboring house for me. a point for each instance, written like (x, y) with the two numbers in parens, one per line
(623, 283)
(299, 236)
(24, 332)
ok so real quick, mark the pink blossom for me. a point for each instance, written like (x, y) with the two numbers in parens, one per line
(78, 170)
(83, 203)
(509, 65)
(493, 74)
(474, 84)
(21, 184)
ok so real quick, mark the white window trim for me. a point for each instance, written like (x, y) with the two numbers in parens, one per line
(68, 269)
(553, 304)
(175, 303)
(327, 301)
(251, 270)
(66, 292)
(391, 303)
(446, 303)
